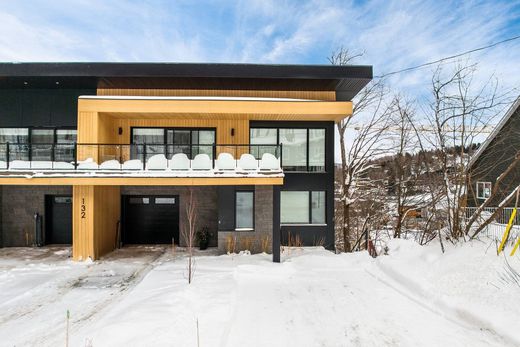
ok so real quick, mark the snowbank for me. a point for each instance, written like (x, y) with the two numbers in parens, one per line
(415, 296)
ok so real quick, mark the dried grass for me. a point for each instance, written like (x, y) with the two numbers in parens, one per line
(231, 244)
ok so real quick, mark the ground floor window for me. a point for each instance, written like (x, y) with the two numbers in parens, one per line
(244, 207)
(302, 207)
(483, 190)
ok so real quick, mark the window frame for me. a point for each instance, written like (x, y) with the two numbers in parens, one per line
(165, 137)
(309, 223)
(307, 128)
(484, 184)
(236, 214)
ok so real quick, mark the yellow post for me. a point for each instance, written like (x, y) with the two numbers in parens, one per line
(515, 247)
(506, 233)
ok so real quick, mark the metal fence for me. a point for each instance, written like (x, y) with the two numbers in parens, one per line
(497, 227)
(71, 156)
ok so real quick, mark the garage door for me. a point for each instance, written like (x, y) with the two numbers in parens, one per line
(150, 219)
(58, 216)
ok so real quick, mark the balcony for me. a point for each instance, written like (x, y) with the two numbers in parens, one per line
(139, 160)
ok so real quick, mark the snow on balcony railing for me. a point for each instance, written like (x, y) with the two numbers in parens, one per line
(156, 158)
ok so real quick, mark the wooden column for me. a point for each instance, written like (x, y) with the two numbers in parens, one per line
(96, 211)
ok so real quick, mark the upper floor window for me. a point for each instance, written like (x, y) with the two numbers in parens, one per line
(303, 149)
(14, 135)
(483, 190)
(169, 141)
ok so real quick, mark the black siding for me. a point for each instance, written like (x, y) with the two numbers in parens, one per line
(495, 159)
(309, 181)
(40, 107)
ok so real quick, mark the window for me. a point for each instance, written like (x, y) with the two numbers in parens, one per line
(316, 149)
(66, 135)
(41, 144)
(19, 136)
(64, 149)
(244, 207)
(303, 149)
(42, 141)
(263, 136)
(483, 190)
(139, 201)
(14, 135)
(294, 149)
(318, 207)
(172, 141)
(302, 207)
(165, 201)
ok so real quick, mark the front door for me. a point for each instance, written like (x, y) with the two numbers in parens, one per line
(58, 215)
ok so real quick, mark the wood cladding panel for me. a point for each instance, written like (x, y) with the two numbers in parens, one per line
(292, 94)
(107, 212)
(82, 222)
(247, 108)
(95, 212)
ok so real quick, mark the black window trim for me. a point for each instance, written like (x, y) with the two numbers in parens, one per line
(165, 135)
(31, 128)
(288, 126)
(235, 210)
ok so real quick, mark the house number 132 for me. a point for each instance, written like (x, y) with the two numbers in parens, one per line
(83, 208)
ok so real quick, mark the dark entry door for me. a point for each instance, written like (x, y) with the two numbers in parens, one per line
(151, 219)
(59, 220)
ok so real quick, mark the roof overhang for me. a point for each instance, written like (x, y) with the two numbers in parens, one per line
(160, 107)
(346, 80)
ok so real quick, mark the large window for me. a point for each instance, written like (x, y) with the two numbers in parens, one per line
(303, 149)
(172, 141)
(244, 207)
(39, 144)
(302, 207)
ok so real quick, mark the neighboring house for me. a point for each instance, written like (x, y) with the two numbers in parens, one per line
(493, 158)
(92, 154)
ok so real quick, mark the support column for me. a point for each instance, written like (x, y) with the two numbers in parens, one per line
(276, 224)
(95, 214)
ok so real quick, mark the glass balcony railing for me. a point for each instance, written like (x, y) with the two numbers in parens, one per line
(135, 157)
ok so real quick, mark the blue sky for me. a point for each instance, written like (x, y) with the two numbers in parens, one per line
(393, 34)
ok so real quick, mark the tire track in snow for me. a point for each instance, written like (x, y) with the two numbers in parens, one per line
(461, 317)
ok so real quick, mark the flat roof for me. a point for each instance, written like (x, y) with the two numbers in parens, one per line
(346, 80)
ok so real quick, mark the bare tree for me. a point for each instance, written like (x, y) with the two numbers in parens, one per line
(365, 145)
(405, 167)
(458, 113)
(188, 233)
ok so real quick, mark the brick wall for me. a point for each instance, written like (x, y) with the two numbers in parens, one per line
(19, 204)
(263, 231)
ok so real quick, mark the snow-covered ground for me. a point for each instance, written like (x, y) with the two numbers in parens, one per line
(415, 296)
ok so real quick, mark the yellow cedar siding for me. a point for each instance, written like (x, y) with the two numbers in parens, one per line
(327, 95)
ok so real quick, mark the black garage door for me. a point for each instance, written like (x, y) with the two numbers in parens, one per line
(58, 216)
(150, 219)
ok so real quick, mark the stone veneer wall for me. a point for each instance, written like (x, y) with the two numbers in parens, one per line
(19, 204)
(205, 198)
(263, 225)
